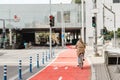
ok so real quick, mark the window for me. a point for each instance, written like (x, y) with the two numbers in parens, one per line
(116, 1)
(66, 16)
(59, 17)
(78, 17)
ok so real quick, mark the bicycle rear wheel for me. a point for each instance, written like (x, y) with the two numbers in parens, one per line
(81, 61)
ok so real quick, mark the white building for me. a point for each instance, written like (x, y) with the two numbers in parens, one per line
(37, 16)
(34, 19)
(109, 20)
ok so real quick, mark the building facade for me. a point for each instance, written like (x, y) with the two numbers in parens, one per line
(105, 17)
(34, 18)
(34, 22)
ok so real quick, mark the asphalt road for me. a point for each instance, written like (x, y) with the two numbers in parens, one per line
(11, 59)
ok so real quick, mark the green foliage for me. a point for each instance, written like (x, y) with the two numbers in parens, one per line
(107, 34)
(107, 37)
(78, 1)
(105, 31)
(118, 34)
(111, 34)
(118, 29)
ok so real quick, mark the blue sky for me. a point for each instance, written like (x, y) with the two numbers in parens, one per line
(33, 1)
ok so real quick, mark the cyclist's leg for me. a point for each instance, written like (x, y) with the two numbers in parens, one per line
(81, 60)
(82, 55)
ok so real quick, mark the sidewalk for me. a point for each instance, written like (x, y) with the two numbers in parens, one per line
(99, 68)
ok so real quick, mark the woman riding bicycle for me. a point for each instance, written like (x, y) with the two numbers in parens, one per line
(80, 46)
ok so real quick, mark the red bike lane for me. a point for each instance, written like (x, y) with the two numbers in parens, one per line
(65, 68)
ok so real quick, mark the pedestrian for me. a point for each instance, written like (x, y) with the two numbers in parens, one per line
(25, 45)
(80, 46)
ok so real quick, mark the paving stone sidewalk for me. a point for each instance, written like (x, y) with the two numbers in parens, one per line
(99, 68)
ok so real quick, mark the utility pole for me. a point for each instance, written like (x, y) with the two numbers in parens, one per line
(95, 27)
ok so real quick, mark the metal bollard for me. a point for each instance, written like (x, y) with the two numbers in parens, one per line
(43, 58)
(46, 57)
(38, 61)
(49, 54)
(20, 70)
(31, 64)
(5, 72)
(53, 53)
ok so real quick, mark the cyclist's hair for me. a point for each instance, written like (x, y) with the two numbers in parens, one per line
(81, 40)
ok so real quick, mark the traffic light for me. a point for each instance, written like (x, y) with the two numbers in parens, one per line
(105, 31)
(94, 21)
(52, 19)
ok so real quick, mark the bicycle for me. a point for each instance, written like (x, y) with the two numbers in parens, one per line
(80, 60)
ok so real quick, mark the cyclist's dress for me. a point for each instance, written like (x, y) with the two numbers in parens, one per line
(80, 49)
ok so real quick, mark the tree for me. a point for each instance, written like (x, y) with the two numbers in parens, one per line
(111, 33)
(118, 33)
(105, 31)
(107, 34)
(78, 1)
(118, 29)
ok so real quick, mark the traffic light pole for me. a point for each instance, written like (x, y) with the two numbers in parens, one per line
(95, 28)
(50, 41)
(96, 50)
(50, 38)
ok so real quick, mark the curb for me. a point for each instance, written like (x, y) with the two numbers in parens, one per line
(93, 73)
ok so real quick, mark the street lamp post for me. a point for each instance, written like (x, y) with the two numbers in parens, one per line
(104, 6)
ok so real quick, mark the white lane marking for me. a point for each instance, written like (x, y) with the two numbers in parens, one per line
(47, 65)
(60, 78)
(66, 67)
(55, 68)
